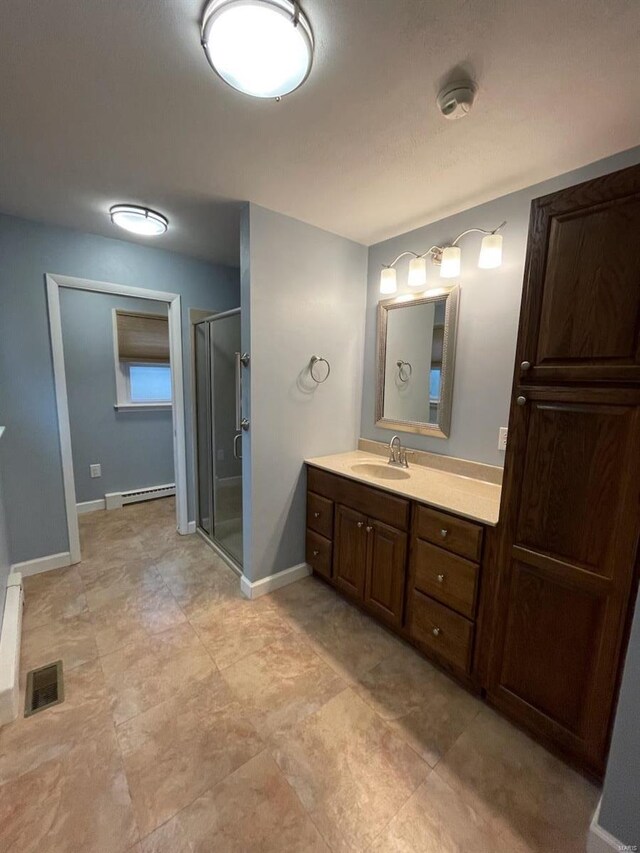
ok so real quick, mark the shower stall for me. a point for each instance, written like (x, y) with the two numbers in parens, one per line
(219, 423)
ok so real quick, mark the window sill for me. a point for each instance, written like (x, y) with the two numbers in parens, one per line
(136, 407)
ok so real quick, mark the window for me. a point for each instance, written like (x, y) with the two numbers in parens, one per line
(141, 353)
(434, 385)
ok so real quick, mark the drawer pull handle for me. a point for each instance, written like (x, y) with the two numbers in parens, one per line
(315, 553)
(360, 523)
(521, 401)
(440, 578)
(525, 365)
(436, 631)
(369, 528)
(316, 515)
(444, 533)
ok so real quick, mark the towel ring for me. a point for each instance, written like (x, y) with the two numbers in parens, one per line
(404, 377)
(315, 360)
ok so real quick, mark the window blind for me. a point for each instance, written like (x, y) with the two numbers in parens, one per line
(142, 337)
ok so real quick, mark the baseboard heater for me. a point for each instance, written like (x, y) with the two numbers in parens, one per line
(115, 500)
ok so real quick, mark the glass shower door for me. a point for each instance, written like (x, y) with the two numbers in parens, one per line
(219, 443)
(227, 436)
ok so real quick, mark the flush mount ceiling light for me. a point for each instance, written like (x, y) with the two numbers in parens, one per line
(263, 48)
(139, 220)
(446, 257)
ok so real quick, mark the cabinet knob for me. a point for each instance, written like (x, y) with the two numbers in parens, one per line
(436, 631)
(316, 515)
(444, 533)
(369, 528)
(521, 401)
(440, 578)
(315, 553)
(525, 365)
(360, 523)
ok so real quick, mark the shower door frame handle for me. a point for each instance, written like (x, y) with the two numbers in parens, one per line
(237, 455)
(242, 360)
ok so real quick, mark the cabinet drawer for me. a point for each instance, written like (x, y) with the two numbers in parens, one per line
(449, 532)
(374, 503)
(446, 577)
(320, 514)
(318, 553)
(441, 631)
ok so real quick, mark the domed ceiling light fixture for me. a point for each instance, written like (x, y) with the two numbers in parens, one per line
(263, 48)
(139, 220)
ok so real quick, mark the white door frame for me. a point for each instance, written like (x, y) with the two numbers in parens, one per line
(54, 283)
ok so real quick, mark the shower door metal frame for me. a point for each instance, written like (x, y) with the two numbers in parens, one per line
(210, 537)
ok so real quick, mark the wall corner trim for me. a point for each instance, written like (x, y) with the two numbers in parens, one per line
(272, 582)
(599, 840)
(10, 650)
(43, 564)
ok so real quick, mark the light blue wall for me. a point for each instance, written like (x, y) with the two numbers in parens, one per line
(620, 809)
(33, 473)
(5, 562)
(303, 293)
(135, 449)
(488, 317)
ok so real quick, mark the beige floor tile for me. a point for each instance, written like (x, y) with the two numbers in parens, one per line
(200, 585)
(70, 640)
(30, 741)
(111, 555)
(350, 771)
(134, 616)
(177, 750)
(525, 793)
(348, 640)
(282, 684)
(425, 707)
(135, 577)
(302, 603)
(253, 809)
(238, 628)
(143, 674)
(78, 801)
(52, 595)
(437, 820)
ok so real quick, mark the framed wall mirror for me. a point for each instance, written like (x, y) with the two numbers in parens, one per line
(415, 355)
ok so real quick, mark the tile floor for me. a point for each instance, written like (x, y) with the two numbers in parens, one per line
(197, 721)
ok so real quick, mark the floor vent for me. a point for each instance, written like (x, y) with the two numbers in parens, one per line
(44, 688)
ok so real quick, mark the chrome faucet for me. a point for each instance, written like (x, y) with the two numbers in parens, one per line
(397, 453)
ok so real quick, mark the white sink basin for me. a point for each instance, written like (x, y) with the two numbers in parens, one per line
(380, 470)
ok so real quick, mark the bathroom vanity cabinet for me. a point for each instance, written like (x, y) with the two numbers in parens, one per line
(414, 568)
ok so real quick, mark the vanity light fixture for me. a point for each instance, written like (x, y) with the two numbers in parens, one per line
(263, 48)
(446, 257)
(139, 220)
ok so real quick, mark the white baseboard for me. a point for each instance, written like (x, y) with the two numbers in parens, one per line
(43, 564)
(90, 506)
(269, 584)
(191, 527)
(599, 840)
(10, 650)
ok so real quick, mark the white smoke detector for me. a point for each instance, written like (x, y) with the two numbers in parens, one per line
(456, 99)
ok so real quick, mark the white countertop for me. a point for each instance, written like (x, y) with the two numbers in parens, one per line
(465, 496)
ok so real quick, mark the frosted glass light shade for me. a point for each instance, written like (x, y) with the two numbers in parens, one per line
(490, 252)
(257, 46)
(388, 283)
(450, 266)
(139, 220)
(417, 272)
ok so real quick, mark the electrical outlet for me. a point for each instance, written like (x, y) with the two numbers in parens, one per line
(502, 438)
(95, 470)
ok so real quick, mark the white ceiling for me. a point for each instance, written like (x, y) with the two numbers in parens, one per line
(104, 101)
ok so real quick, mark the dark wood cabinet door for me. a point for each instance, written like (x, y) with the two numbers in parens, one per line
(580, 318)
(566, 563)
(350, 551)
(385, 575)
